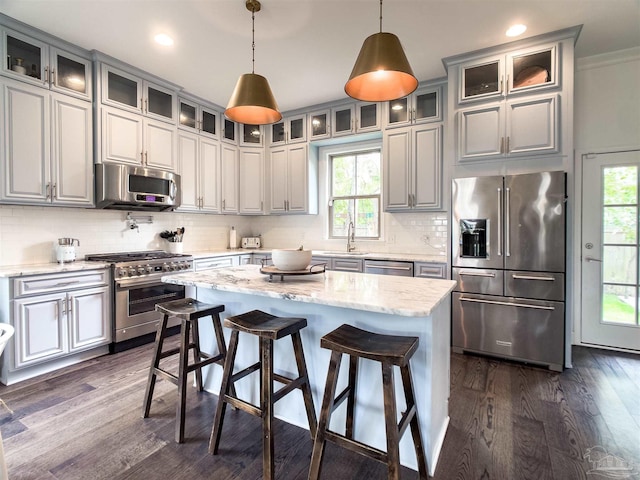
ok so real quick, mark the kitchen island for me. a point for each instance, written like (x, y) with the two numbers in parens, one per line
(383, 304)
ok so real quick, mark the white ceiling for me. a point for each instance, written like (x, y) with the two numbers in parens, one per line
(306, 48)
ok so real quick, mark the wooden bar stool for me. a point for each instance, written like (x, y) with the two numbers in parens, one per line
(389, 350)
(189, 311)
(268, 328)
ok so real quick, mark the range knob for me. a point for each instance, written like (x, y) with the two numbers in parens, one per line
(132, 271)
(122, 272)
(141, 270)
(150, 269)
(165, 267)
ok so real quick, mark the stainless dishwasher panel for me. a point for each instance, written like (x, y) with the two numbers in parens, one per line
(478, 280)
(386, 267)
(541, 285)
(527, 330)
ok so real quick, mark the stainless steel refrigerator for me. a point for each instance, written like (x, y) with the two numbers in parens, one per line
(508, 257)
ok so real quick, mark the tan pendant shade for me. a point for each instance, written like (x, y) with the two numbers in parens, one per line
(382, 71)
(252, 101)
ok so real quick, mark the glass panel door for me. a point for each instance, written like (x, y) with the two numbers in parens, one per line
(427, 106)
(159, 103)
(122, 90)
(277, 133)
(482, 80)
(208, 122)
(187, 114)
(25, 56)
(71, 74)
(297, 129)
(610, 250)
(319, 125)
(398, 111)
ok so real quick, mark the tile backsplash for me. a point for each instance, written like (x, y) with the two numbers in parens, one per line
(28, 234)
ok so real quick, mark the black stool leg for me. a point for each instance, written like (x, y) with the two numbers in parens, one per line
(197, 357)
(155, 363)
(306, 388)
(351, 398)
(409, 394)
(391, 421)
(325, 416)
(266, 406)
(182, 380)
(224, 391)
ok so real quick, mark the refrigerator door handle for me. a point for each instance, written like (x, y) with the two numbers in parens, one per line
(531, 277)
(507, 226)
(475, 274)
(499, 222)
(507, 304)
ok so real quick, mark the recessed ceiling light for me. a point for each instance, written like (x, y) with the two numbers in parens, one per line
(163, 39)
(515, 30)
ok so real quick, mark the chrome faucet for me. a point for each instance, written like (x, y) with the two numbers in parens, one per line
(350, 237)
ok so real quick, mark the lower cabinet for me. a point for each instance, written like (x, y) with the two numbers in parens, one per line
(430, 270)
(340, 264)
(211, 263)
(57, 315)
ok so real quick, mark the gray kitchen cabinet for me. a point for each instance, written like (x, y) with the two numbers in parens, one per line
(229, 174)
(199, 168)
(56, 316)
(229, 131)
(292, 129)
(131, 91)
(251, 181)
(525, 126)
(422, 106)
(48, 147)
(254, 258)
(45, 62)
(319, 124)
(132, 139)
(413, 168)
(430, 269)
(355, 117)
(288, 175)
(514, 100)
(212, 263)
(251, 135)
(340, 264)
(196, 116)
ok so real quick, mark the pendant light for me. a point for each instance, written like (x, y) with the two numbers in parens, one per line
(382, 71)
(252, 101)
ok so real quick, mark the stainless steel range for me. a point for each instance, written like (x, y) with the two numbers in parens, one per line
(136, 291)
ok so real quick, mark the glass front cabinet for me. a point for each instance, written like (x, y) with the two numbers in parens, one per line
(502, 75)
(30, 60)
(422, 106)
(125, 90)
(289, 130)
(198, 118)
(319, 125)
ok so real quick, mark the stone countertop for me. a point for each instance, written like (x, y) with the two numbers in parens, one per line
(404, 296)
(399, 257)
(47, 268)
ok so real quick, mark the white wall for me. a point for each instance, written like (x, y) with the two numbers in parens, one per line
(606, 119)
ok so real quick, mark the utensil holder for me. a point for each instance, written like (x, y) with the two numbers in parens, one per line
(176, 247)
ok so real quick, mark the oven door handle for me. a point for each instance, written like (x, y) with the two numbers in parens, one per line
(127, 284)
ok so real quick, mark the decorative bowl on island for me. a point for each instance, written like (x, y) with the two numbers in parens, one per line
(291, 259)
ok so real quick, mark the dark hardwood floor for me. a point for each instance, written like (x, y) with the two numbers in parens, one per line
(508, 421)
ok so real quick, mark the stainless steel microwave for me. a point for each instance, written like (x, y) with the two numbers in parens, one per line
(127, 187)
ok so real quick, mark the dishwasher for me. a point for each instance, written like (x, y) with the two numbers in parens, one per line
(387, 267)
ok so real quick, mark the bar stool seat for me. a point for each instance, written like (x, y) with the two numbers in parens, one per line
(268, 328)
(188, 310)
(390, 351)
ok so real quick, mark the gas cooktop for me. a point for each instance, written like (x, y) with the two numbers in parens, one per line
(134, 256)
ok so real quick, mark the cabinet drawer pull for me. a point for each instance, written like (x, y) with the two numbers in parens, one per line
(531, 277)
(508, 304)
(384, 267)
(66, 284)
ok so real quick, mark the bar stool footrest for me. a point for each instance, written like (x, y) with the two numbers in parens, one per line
(243, 405)
(355, 446)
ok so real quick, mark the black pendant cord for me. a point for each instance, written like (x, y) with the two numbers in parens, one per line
(380, 16)
(253, 40)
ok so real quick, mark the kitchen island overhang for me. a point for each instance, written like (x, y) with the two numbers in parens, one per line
(383, 304)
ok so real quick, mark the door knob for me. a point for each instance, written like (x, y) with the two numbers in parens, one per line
(591, 259)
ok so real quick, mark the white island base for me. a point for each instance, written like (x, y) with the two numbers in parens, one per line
(376, 303)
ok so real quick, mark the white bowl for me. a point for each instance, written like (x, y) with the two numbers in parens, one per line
(290, 260)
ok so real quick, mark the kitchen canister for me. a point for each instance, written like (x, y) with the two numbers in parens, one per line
(233, 238)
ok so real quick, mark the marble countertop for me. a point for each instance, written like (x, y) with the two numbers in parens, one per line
(404, 296)
(407, 257)
(45, 268)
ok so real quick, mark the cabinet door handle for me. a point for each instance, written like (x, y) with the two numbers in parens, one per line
(69, 305)
(46, 75)
(501, 86)
(141, 107)
(479, 274)
(142, 158)
(146, 106)
(62, 311)
(507, 147)
(52, 77)
(146, 158)
(47, 191)
(53, 191)
(224, 204)
(501, 144)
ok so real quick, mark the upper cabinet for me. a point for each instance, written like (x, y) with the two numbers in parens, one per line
(251, 135)
(131, 92)
(522, 71)
(319, 125)
(514, 100)
(45, 64)
(197, 117)
(422, 106)
(289, 130)
(355, 118)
